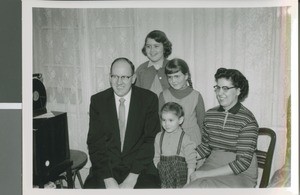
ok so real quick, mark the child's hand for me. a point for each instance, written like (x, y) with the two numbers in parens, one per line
(188, 180)
(197, 155)
(190, 171)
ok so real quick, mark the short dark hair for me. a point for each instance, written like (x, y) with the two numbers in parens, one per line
(159, 37)
(123, 59)
(237, 78)
(173, 107)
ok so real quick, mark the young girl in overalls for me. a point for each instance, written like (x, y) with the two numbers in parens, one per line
(175, 155)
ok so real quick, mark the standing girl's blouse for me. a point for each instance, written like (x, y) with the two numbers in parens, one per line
(150, 78)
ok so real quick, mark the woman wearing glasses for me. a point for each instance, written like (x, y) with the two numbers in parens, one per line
(229, 137)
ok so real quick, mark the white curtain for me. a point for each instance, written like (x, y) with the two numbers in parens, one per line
(73, 49)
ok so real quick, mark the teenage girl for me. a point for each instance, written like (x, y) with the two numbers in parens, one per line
(151, 74)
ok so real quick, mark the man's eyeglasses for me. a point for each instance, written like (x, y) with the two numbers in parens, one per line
(123, 78)
(224, 88)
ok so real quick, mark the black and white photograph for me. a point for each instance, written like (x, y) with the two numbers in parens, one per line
(163, 95)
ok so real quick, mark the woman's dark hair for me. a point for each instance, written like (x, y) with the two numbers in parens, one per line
(237, 78)
(173, 107)
(175, 65)
(159, 37)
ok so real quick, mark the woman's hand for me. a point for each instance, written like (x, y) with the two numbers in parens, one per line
(225, 170)
(197, 175)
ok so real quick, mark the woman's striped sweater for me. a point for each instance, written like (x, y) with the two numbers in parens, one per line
(234, 130)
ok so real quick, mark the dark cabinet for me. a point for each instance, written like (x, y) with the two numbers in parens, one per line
(51, 153)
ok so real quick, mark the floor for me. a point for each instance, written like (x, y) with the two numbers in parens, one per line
(84, 173)
(85, 170)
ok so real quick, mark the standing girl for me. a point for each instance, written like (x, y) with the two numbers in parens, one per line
(175, 154)
(150, 75)
(182, 92)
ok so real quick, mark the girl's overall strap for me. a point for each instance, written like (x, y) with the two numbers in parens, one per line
(180, 143)
(161, 140)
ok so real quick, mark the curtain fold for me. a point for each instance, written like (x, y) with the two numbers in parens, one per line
(73, 49)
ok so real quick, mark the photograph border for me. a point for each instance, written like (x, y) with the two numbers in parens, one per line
(27, 61)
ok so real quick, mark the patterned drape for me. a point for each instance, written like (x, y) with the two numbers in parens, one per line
(73, 49)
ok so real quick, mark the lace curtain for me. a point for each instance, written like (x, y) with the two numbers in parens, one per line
(73, 49)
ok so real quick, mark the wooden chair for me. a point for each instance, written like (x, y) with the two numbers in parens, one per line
(79, 159)
(264, 158)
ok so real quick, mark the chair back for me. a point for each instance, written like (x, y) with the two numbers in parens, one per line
(264, 158)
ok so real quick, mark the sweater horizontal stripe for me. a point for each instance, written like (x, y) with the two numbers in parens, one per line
(236, 132)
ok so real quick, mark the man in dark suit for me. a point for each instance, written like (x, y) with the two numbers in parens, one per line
(123, 123)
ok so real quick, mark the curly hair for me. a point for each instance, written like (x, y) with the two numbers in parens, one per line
(173, 107)
(159, 37)
(175, 65)
(237, 78)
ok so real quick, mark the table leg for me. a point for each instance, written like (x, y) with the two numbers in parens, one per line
(69, 178)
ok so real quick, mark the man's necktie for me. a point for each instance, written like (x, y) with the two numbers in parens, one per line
(122, 121)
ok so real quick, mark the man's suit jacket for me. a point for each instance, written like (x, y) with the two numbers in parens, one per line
(104, 143)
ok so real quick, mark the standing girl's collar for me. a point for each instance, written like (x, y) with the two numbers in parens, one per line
(156, 65)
